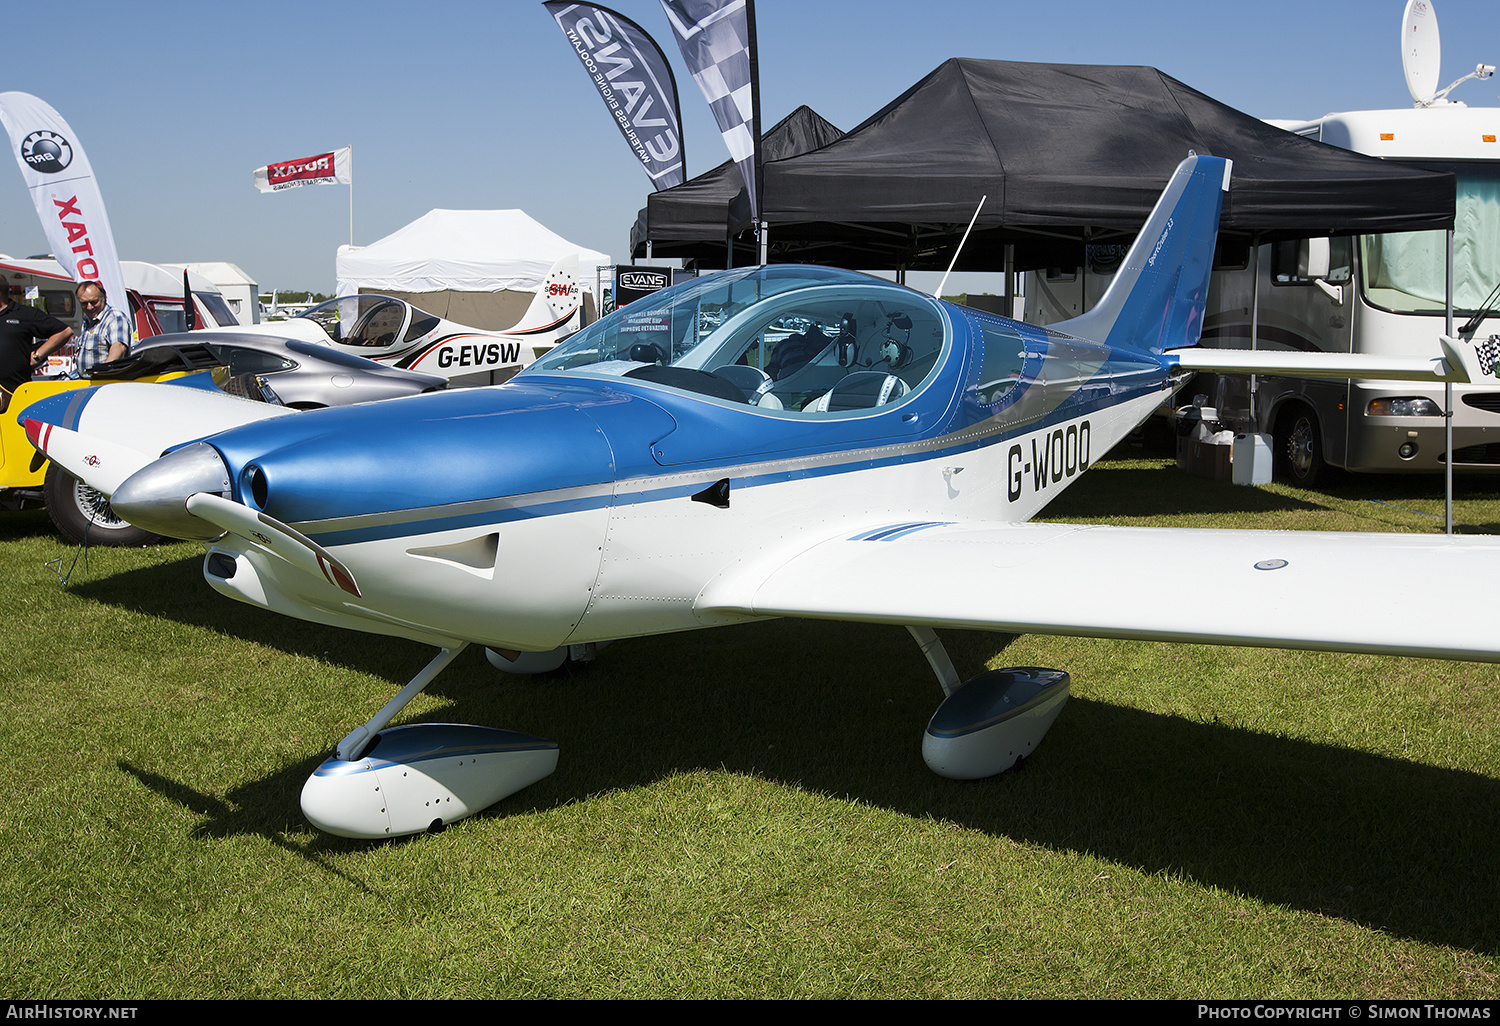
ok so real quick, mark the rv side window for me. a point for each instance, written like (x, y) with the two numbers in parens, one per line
(1231, 253)
(1298, 261)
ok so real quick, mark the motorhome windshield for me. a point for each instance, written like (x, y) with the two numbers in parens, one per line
(784, 337)
(1406, 272)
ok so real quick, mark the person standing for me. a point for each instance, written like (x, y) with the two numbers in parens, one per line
(106, 331)
(21, 329)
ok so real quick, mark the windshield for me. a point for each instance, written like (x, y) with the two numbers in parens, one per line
(784, 337)
(1406, 272)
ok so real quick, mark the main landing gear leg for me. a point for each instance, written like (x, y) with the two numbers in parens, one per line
(388, 781)
(989, 723)
(353, 745)
(937, 658)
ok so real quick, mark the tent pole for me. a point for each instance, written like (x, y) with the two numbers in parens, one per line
(1448, 402)
(1083, 275)
(1010, 279)
(1254, 318)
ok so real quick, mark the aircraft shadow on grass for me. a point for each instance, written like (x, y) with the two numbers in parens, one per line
(1139, 492)
(839, 709)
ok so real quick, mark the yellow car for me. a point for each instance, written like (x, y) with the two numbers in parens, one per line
(81, 514)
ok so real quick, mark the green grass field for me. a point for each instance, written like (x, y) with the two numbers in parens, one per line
(745, 812)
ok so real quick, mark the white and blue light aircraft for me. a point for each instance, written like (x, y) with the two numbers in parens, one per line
(769, 441)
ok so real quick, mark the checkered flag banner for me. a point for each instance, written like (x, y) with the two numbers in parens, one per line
(1489, 355)
(717, 42)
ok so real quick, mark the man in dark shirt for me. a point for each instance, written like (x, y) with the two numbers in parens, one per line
(21, 329)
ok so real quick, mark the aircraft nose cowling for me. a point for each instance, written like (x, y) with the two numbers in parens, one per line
(154, 498)
(425, 459)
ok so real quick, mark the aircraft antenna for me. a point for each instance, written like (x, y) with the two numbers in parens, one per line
(938, 292)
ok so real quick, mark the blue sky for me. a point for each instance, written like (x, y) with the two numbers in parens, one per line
(482, 105)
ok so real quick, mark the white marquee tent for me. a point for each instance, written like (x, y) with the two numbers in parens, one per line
(471, 266)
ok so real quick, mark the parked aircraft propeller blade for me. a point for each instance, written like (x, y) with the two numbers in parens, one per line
(102, 464)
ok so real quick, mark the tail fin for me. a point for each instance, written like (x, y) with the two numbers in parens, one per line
(1156, 300)
(555, 303)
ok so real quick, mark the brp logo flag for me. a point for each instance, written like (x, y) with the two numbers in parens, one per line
(63, 189)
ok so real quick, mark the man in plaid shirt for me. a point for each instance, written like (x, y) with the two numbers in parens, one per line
(106, 331)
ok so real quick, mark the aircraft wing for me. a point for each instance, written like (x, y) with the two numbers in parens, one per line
(1394, 594)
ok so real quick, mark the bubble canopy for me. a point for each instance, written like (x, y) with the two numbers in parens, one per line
(792, 338)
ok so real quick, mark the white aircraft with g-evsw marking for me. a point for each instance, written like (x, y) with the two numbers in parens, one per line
(769, 441)
(392, 331)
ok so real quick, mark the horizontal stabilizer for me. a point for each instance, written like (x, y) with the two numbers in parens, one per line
(1449, 367)
(1282, 589)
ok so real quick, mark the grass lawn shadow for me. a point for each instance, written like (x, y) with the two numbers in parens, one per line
(1387, 843)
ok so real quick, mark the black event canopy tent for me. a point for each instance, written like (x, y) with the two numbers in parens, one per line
(1067, 154)
(694, 218)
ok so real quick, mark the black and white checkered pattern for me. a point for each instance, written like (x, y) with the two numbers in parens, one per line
(714, 36)
(1489, 355)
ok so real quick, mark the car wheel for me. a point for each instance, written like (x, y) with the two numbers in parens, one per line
(1299, 448)
(82, 515)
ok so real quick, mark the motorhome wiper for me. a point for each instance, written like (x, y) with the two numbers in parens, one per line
(1484, 310)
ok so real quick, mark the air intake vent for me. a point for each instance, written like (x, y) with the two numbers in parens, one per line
(1489, 402)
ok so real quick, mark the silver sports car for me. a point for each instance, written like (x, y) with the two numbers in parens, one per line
(303, 375)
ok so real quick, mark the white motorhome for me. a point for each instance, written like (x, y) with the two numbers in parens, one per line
(1377, 294)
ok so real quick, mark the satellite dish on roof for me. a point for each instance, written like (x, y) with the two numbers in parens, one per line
(1421, 50)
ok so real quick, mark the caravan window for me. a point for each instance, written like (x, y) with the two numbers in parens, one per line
(170, 316)
(217, 308)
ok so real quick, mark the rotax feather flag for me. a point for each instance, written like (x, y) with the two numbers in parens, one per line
(67, 198)
(634, 81)
(335, 168)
